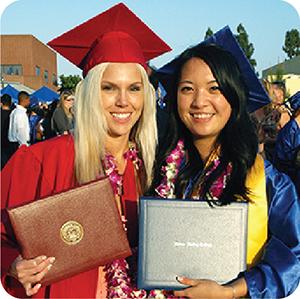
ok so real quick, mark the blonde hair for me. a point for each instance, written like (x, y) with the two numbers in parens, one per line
(64, 95)
(91, 127)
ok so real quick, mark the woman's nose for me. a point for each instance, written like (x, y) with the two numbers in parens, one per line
(200, 98)
(122, 98)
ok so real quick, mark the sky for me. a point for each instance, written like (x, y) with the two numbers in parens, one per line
(181, 23)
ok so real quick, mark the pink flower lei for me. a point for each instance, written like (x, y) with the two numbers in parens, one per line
(116, 273)
(219, 184)
(170, 171)
(111, 171)
(119, 282)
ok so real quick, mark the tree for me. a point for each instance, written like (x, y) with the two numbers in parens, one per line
(243, 40)
(292, 43)
(69, 82)
(208, 33)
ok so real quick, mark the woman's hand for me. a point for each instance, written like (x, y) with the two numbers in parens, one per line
(30, 272)
(203, 288)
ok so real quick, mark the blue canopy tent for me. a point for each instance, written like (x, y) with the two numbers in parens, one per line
(13, 92)
(44, 94)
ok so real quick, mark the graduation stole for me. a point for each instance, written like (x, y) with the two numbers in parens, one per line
(257, 213)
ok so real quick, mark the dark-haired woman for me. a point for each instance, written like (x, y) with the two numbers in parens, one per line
(220, 164)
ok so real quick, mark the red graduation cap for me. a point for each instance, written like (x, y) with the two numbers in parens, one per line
(116, 35)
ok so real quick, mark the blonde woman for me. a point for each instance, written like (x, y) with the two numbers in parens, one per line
(116, 127)
(62, 121)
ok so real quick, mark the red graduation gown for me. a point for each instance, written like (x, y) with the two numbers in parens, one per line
(35, 172)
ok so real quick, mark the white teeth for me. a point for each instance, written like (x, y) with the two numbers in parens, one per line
(202, 115)
(121, 115)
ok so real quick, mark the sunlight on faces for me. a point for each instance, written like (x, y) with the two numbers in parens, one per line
(122, 95)
(201, 105)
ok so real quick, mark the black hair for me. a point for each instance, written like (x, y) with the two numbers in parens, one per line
(154, 79)
(238, 138)
(22, 95)
(36, 109)
(6, 99)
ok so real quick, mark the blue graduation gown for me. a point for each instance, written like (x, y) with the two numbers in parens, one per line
(277, 274)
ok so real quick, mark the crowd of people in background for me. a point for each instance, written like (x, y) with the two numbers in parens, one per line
(278, 129)
(23, 123)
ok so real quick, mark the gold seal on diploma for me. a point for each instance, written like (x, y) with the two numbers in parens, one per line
(71, 232)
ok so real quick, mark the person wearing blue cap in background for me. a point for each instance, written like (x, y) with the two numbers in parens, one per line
(287, 146)
(208, 101)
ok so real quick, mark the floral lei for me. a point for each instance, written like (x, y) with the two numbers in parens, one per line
(170, 170)
(219, 184)
(119, 283)
(111, 171)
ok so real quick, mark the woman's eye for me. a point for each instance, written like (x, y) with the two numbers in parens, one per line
(106, 87)
(135, 88)
(186, 89)
(215, 88)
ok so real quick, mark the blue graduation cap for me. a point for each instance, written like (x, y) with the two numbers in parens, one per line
(293, 102)
(224, 38)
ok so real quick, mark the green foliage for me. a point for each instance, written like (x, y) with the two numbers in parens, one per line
(208, 33)
(69, 82)
(292, 43)
(242, 38)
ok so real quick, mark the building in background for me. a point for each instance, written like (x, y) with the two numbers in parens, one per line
(289, 71)
(27, 61)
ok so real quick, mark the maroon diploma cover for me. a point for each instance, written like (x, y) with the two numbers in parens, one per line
(81, 228)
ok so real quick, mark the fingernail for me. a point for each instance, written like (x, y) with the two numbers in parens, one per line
(49, 266)
(52, 259)
(179, 278)
(38, 285)
(43, 257)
